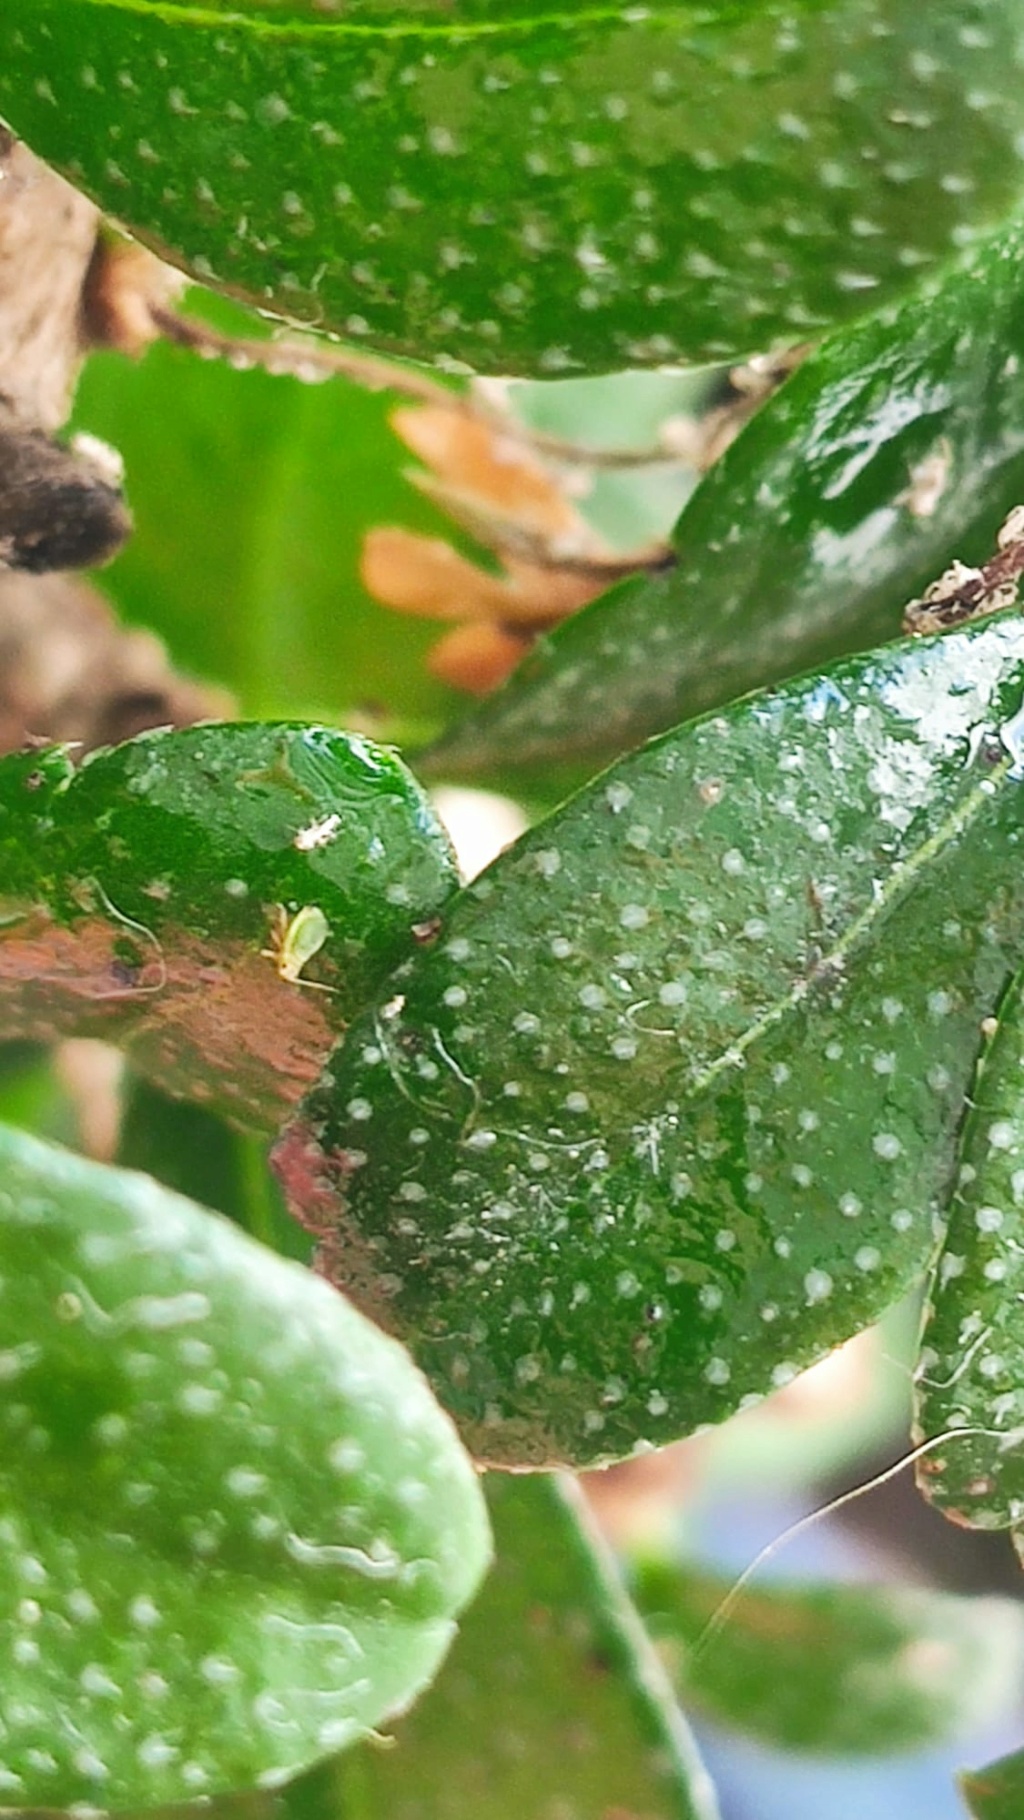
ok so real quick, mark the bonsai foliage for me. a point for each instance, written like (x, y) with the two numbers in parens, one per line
(710, 1068)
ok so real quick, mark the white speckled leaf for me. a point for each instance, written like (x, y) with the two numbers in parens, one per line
(971, 1369)
(528, 187)
(806, 539)
(837, 1670)
(235, 1529)
(668, 1109)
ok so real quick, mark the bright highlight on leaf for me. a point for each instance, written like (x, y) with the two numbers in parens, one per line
(668, 1108)
(219, 899)
(235, 1529)
(528, 190)
(896, 446)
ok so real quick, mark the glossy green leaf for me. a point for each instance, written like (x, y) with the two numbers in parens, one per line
(806, 540)
(528, 190)
(222, 899)
(665, 1111)
(845, 1670)
(997, 1791)
(253, 494)
(235, 1529)
(551, 1702)
(971, 1367)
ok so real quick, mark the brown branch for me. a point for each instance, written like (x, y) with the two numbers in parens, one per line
(963, 594)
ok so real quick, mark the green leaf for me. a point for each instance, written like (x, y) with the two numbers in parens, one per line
(274, 537)
(528, 190)
(971, 1365)
(662, 1114)
(551, 1701)
(842, 1670)
(194, 1152)
(997, 1791)
(801, 544)
(222, 899)
(235, 1527)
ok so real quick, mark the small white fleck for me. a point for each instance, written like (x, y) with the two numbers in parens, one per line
(867, 1258)
(481, 1140)
(359, 1109)
(1002, 1135)
(273, 109)
(988, 1219)
(817, 1286)
(886, 1145)
(618, 797)
(548, 862)
(245, 1481)
(634, 916)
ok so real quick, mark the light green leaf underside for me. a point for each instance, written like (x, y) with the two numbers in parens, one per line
(806, 540)
(539, 191)
(668, 1109)
(234, 1527)
(971, 1367)
(164, 894)
(839, 1670)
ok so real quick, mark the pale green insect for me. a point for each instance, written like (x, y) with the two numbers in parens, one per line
(295, 940)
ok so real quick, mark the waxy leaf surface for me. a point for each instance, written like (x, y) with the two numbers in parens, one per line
(808, 537)
(235, 1529)
(843, 1670)
(997, 1791)
(971, 1368)
(534, 190)
(152, 897)
(667, 1109)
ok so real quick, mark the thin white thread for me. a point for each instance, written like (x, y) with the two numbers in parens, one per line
(724, 1610)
